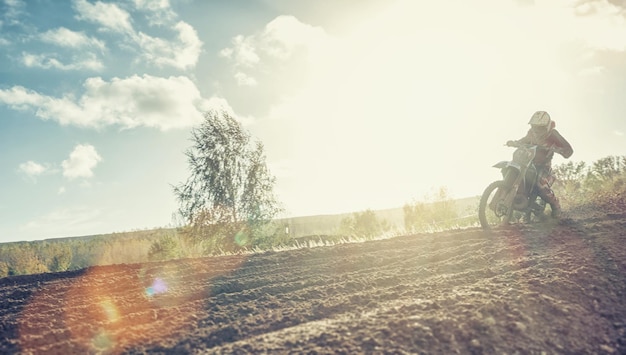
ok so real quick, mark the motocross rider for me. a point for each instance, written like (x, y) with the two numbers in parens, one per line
(543, 133)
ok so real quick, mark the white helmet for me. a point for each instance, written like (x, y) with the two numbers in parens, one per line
(540, 118)
(541, 124)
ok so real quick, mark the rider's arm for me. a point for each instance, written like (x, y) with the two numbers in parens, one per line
(564, 148)
(523, 140)
(526, 139)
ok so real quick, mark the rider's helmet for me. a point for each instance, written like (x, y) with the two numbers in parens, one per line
(541, 124)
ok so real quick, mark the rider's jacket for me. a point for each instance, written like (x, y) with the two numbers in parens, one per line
(552, 139)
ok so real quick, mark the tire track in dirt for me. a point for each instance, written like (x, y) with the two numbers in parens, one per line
(346, 296)
(527, 289)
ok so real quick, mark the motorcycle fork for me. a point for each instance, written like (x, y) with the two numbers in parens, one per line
(505, 197)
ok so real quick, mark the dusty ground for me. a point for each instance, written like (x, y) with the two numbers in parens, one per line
(552, 288)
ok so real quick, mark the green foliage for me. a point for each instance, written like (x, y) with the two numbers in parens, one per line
(577, 183)
(165, 248)
(271, 236)
(571, 171)
(35, 257)
(228, 198)
(439, 211)
(604, 172)
(59, 257)
(4, 269)
(363, 224)
(23, 259)
(570, 177)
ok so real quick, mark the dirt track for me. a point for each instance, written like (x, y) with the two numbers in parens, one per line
(553, 289)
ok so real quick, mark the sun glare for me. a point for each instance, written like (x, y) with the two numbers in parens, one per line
(414, 88)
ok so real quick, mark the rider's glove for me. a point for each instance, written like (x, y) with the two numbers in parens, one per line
(510, 143)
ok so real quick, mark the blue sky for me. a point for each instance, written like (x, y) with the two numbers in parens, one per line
(360, 103)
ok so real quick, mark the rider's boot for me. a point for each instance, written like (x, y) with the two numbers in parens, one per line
(556, 212)
(551, 199)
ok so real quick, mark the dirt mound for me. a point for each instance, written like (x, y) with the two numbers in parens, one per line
(549, 288)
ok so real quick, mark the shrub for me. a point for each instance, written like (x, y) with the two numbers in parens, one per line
(61, 259)
(165, 248)
(4, 269)
(23, 260)
(439, 211)
(363, 224)
(578, 184)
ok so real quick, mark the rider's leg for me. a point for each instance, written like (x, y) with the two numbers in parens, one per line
(545, 191)
(548, 195)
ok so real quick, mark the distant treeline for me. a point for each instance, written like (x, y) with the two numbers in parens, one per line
(577, 184)
(55, 255)
(63, 254)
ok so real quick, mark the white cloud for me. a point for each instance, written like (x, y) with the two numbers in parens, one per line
(281, 40)
(83, 159)
(159, 11)
(32, 169)
(14, 9)
(244, 80)
(182, 53)
(600, 23)
(63, 37)
(152, 5)
(20, 98)
(285, 34)
(593, 24)
(618, 133)
(243, 52)
(67, 38)
(162, 103)
(49, 61)
(108, 15)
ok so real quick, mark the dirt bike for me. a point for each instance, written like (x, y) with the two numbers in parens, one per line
(516, 195)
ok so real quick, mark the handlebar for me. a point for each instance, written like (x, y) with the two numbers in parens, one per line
(515, 144)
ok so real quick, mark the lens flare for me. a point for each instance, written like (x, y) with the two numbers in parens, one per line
(241, 238)
(110, 311)
(158, 286)
(106, 309)
(102, 341)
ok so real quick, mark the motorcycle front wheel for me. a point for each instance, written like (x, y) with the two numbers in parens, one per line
(492, 212)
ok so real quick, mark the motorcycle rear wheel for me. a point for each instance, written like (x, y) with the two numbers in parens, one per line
(499, 216)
